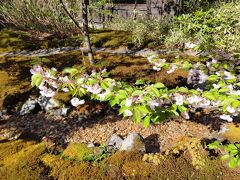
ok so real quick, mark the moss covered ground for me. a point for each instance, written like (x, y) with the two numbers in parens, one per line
(23, 159)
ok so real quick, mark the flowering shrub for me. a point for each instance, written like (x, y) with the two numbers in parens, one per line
(231, 152)
(217, 82)
(214, 87)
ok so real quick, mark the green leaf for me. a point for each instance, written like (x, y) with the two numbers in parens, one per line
(114, 101)
(159, 85)
(146, 121)
(182, 108)
(71, 71)
(214, 145)
(143, 109)
(104, 84)
(233, 163)
(235, 104)
(232, 147)
(36, 80)
(234, 152)
(155, 91)
(209, 95)
(136, 115)
(139, 82)
(122, 109)
(122, 94)
(225, 157)
(137, 93)
(213, 78)
(224, 89)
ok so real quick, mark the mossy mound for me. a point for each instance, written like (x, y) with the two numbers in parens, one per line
(68, 169)
(232, 133)
(20, 160)
(77, 152)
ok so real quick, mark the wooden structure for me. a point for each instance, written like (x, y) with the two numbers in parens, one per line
(137, 8)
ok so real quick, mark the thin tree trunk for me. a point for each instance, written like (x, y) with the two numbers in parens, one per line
(86, 31)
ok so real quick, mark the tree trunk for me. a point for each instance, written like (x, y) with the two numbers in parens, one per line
(86, 31)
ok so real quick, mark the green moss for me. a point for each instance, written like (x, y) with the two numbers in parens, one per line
(139, 169)
(77, 151)
(233, 133)
(67, 169)
(24, 164)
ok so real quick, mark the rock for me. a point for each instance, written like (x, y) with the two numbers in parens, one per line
(48, 104)
(115, 142)
(90, 145)
(28, 106)
(133, 142)
(60, 112)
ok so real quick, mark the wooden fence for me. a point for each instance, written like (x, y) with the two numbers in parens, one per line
(155, 8)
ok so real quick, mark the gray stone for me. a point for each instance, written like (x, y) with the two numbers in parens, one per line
(28, 106)
(48, 104)
(90, 145)
(133, 142)
(115, 141)
(60, 112)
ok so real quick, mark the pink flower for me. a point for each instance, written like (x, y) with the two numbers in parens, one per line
(37, 69)
(47, 92)
(76, 102)
(128, 113)
(95, 89)
(226, 117)
(128, 102)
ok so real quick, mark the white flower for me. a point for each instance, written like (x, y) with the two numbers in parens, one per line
(104, 70)
(179, 99)
(185, 115)
(36, 69)
(128, 102)
(76, 102)
(216, 86)
(236, 92)
(95, 89)
(202, 77)
(228, 76)
(205, 103)
(53, 83)
(80, 80)
(194, 99)
(53, 69)
(226, 117)
(64, 79)
(156, 68)
(214, 61)
(65, 89)
(150, 58)
(218, 74)
(172, 69)
(161, 61)
(127, 112)
(103, 95)
(153, 104)
(230, 109)
(47, 92)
